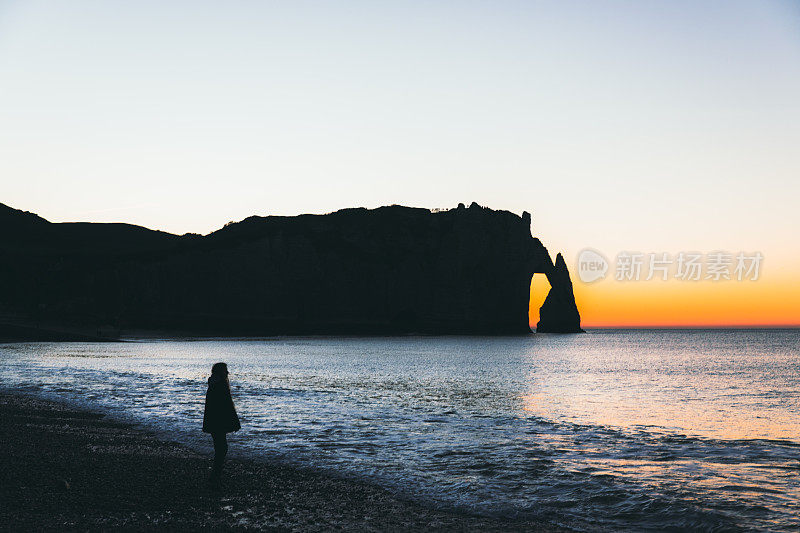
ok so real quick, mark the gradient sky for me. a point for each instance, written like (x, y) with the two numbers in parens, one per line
(649, 126)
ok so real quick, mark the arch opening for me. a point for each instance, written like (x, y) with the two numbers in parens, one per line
(539, 289)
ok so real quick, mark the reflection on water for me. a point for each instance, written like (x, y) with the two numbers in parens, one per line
(636, 429)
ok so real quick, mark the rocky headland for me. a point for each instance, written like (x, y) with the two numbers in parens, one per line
(391, 270)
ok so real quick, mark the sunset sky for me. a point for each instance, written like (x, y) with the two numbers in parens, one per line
(660, 127)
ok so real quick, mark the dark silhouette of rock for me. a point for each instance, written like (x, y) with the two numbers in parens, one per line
(391, 270)
(559, 314)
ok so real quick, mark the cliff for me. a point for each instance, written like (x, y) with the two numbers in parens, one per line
(390, 270)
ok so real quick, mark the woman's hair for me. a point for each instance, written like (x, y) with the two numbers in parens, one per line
(219, 368)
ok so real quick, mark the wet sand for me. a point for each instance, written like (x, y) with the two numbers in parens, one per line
(67, 469)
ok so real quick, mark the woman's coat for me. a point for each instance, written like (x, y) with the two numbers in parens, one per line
(220, 415)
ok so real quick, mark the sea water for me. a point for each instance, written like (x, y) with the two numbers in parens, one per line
(612, 429)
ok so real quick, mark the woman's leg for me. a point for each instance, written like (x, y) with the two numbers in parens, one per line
(220, 451)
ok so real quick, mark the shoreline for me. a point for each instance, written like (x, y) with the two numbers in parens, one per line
(68, 468)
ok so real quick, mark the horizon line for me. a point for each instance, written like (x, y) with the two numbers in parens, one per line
(691, 326)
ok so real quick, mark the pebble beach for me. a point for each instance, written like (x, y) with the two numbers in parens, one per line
(66, 469)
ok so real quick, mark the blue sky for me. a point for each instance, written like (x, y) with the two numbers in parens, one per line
(619, 125)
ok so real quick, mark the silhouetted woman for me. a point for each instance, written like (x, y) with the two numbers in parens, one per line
(220, 417)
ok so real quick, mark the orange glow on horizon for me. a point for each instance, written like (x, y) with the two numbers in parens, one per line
(768, 302)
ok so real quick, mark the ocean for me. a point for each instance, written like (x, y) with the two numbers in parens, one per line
(608, 430)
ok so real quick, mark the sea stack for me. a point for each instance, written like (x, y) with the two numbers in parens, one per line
(559, 313)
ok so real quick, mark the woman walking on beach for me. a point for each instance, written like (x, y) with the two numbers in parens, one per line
(220, 417)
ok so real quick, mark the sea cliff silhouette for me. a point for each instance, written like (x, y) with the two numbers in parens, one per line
(391, 270)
